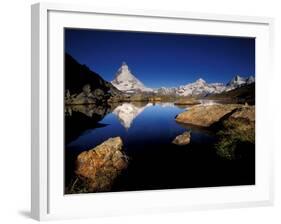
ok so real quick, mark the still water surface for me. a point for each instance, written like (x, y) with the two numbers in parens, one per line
(147, 131)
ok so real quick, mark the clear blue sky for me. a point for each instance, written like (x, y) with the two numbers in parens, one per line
(159, 59)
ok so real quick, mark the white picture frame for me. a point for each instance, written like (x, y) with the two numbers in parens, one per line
(48, 200)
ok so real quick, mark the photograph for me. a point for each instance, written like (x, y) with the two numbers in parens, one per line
(157, 111)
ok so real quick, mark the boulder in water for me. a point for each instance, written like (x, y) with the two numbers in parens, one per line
(206, 115)
(182, 139)
(99, 167)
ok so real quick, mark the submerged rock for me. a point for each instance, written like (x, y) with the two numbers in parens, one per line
(206, 115)
(182, 139)
(99, 167)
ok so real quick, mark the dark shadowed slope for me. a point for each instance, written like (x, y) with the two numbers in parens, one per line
(243, 94)
(83, 85)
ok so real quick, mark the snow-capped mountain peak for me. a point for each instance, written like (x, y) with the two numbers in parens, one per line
(238, 81)
(199, 87)
(200, 81)
(127, 82)
(124, 74)
(251, 79)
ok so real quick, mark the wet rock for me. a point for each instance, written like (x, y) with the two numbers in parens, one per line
(206, 115)
(182, 139)
(99, 167)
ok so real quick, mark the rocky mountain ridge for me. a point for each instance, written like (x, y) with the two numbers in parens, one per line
(127, 82)
(201, 88)
(83, 86)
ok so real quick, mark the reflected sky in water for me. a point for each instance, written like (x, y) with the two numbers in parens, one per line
(142, 125)
(147, 131)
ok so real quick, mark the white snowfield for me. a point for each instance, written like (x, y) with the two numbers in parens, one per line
(127, 82)
(200, 87)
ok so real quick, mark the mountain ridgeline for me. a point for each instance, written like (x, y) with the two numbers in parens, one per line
(84, 86)
(127, 82)
(242, 94)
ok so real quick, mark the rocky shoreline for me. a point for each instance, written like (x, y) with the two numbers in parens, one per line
(97, 168)
(233, 124)
(89, 94)
(206, 115)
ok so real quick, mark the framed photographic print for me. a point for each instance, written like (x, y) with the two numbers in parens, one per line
(147, 111)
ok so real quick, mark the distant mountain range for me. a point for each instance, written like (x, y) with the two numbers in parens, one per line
(126, 82)
(84, 86)
(199, 87)
(239, 81)
(243, 94)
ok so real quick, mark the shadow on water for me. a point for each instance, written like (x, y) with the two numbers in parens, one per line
(79, 118)
(147, 131)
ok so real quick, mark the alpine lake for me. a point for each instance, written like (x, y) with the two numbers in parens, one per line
(154, 162)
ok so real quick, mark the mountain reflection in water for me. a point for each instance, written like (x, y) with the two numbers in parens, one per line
(127, 112)
(147, 131)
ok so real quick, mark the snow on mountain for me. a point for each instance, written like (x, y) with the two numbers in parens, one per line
(238, 81)
(200, 87)
(250, 80)
(127, 82)
(127, 112)
(166, 91)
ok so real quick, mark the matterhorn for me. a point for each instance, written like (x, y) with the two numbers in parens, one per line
(125, 81)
